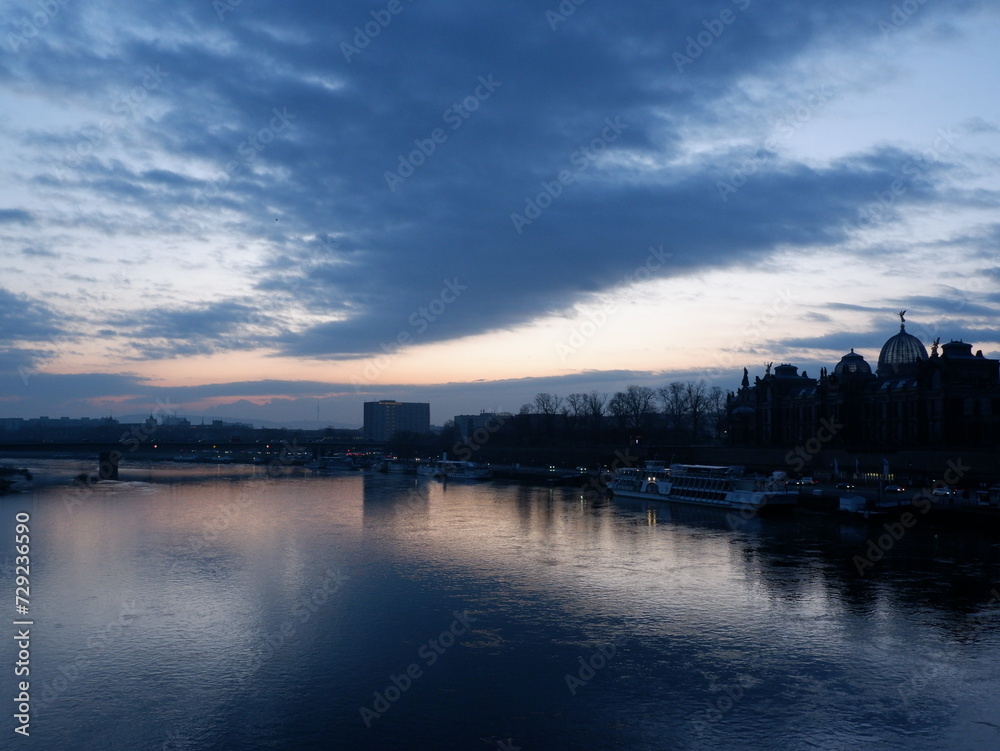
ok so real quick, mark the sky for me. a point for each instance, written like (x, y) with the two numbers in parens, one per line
(248, 210)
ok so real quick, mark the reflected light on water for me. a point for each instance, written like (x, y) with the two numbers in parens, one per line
(198, 603)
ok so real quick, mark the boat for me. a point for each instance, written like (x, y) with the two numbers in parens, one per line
(333, 463)
(859, 507)
(724, 487)
(449, 469)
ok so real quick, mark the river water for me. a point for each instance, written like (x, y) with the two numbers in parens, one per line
(221, 608)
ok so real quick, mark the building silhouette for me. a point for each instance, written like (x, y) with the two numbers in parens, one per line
(948, 398)
(385, 418)
(467, 425)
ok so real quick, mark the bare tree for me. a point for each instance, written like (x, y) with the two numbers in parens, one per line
(618, 407)
(638, 402)
(697, 404)
(594, 405)
(674, 400)
(547, 404)
(576, 403)
(717, 409)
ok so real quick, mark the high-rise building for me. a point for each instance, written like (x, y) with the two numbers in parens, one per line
(387, 417)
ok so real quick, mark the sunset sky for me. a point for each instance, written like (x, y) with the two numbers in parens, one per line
(277, 212)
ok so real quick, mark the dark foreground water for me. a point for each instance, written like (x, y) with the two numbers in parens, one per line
(208, 610)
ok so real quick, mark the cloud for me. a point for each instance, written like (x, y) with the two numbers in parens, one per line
(468, 169)
(282, 401)
(39, 252)
(979, 125)
(24, 319)
(192, 330)
(872, 340)
(16, 216)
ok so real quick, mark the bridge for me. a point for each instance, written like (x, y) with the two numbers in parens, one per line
(165, 450)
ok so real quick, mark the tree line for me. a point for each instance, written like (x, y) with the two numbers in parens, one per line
(681, 412)
(678, 411)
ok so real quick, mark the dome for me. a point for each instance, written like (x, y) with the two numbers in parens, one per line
(852, 364)
(900, 354)
(956, 349)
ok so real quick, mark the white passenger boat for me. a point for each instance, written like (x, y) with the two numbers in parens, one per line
(728, 488)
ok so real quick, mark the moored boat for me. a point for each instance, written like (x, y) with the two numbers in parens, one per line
(333, 463)
(448, 469)
(723, 487)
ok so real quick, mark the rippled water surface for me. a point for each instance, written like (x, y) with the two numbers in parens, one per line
(217, 608)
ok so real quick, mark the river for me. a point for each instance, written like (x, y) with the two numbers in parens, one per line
(224, 608)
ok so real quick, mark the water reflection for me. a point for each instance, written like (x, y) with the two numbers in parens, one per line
(210, 602)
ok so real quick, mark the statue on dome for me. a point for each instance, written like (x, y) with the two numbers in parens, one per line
(902, 316)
